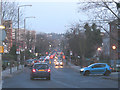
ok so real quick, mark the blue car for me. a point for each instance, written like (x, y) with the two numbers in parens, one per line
(96, 68)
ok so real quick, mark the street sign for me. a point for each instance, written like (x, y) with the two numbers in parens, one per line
(3, 35)
(17, 52)
(1, 49)
(71, 53)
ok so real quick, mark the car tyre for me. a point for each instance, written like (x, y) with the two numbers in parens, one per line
(48, 78)
(86, 73)
(107, 73)
(31, 78)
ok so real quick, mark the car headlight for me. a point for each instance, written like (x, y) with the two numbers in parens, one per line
(81, 69)
(57, 63)
(61, 63)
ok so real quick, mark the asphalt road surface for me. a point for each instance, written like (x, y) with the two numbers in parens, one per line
(61, 77)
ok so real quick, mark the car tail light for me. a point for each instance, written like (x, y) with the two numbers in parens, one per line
(33, 70)
(110, 68)
(49, 70)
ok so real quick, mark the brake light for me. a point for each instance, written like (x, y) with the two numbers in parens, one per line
(49, 70)
(110, 68)
(33, 70)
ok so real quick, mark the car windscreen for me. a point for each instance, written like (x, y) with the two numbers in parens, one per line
(41, 66)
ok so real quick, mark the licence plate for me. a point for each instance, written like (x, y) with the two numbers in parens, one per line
(41, 70)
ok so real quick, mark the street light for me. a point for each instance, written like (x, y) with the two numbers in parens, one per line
(114, 47)
(24, 33)
(18, 29)
(99, 49)
(18, 17)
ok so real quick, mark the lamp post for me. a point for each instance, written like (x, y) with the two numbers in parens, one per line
(114, 48)
(18, 56)
(25, 34)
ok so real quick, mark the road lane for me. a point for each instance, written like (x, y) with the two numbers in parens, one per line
(61, 77)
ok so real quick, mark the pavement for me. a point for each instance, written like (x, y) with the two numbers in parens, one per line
(112, 76)
(6, 73)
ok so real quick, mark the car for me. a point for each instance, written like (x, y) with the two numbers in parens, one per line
(28, 62)
(40, 70)
(48, 61)
(96, 68)
(41, 59)
(57, 63)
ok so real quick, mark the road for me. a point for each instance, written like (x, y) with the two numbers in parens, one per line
(61, 77)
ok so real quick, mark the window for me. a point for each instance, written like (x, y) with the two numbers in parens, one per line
(41, 66)
(98, 66)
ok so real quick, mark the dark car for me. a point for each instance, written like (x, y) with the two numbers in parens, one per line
(28, 62)
(40, 70)
(41, 59)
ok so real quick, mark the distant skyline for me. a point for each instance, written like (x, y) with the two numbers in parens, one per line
(52, 17)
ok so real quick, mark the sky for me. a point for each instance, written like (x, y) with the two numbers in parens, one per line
(52, 16)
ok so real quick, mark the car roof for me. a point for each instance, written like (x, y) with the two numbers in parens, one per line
(40, 63)
(99, 63)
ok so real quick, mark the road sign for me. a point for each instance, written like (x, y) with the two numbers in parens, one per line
(17, 52)
(3, 35)
(1, 49)
(71, 53)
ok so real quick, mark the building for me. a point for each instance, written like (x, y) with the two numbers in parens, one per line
(19, 38)
(25, 39)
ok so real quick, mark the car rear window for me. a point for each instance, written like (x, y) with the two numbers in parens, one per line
(41, 66)
(46, 60)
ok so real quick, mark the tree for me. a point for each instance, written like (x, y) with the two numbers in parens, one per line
(100, 10)
(13, 52)
(10, 12)
(93, 39)
(83, 43)
(42, 43)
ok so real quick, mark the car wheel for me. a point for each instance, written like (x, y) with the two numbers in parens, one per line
(48, 78)
(107, 73)
(86, 73)
(31, 78)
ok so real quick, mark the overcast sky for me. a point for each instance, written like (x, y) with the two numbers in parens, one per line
(52, 16)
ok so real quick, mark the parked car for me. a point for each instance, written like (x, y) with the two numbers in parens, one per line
(96, 68)
(40, 70)
(28, 62)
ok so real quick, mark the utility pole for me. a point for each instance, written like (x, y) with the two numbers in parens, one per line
(18, 41)
(0, 45)
(25, 34)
